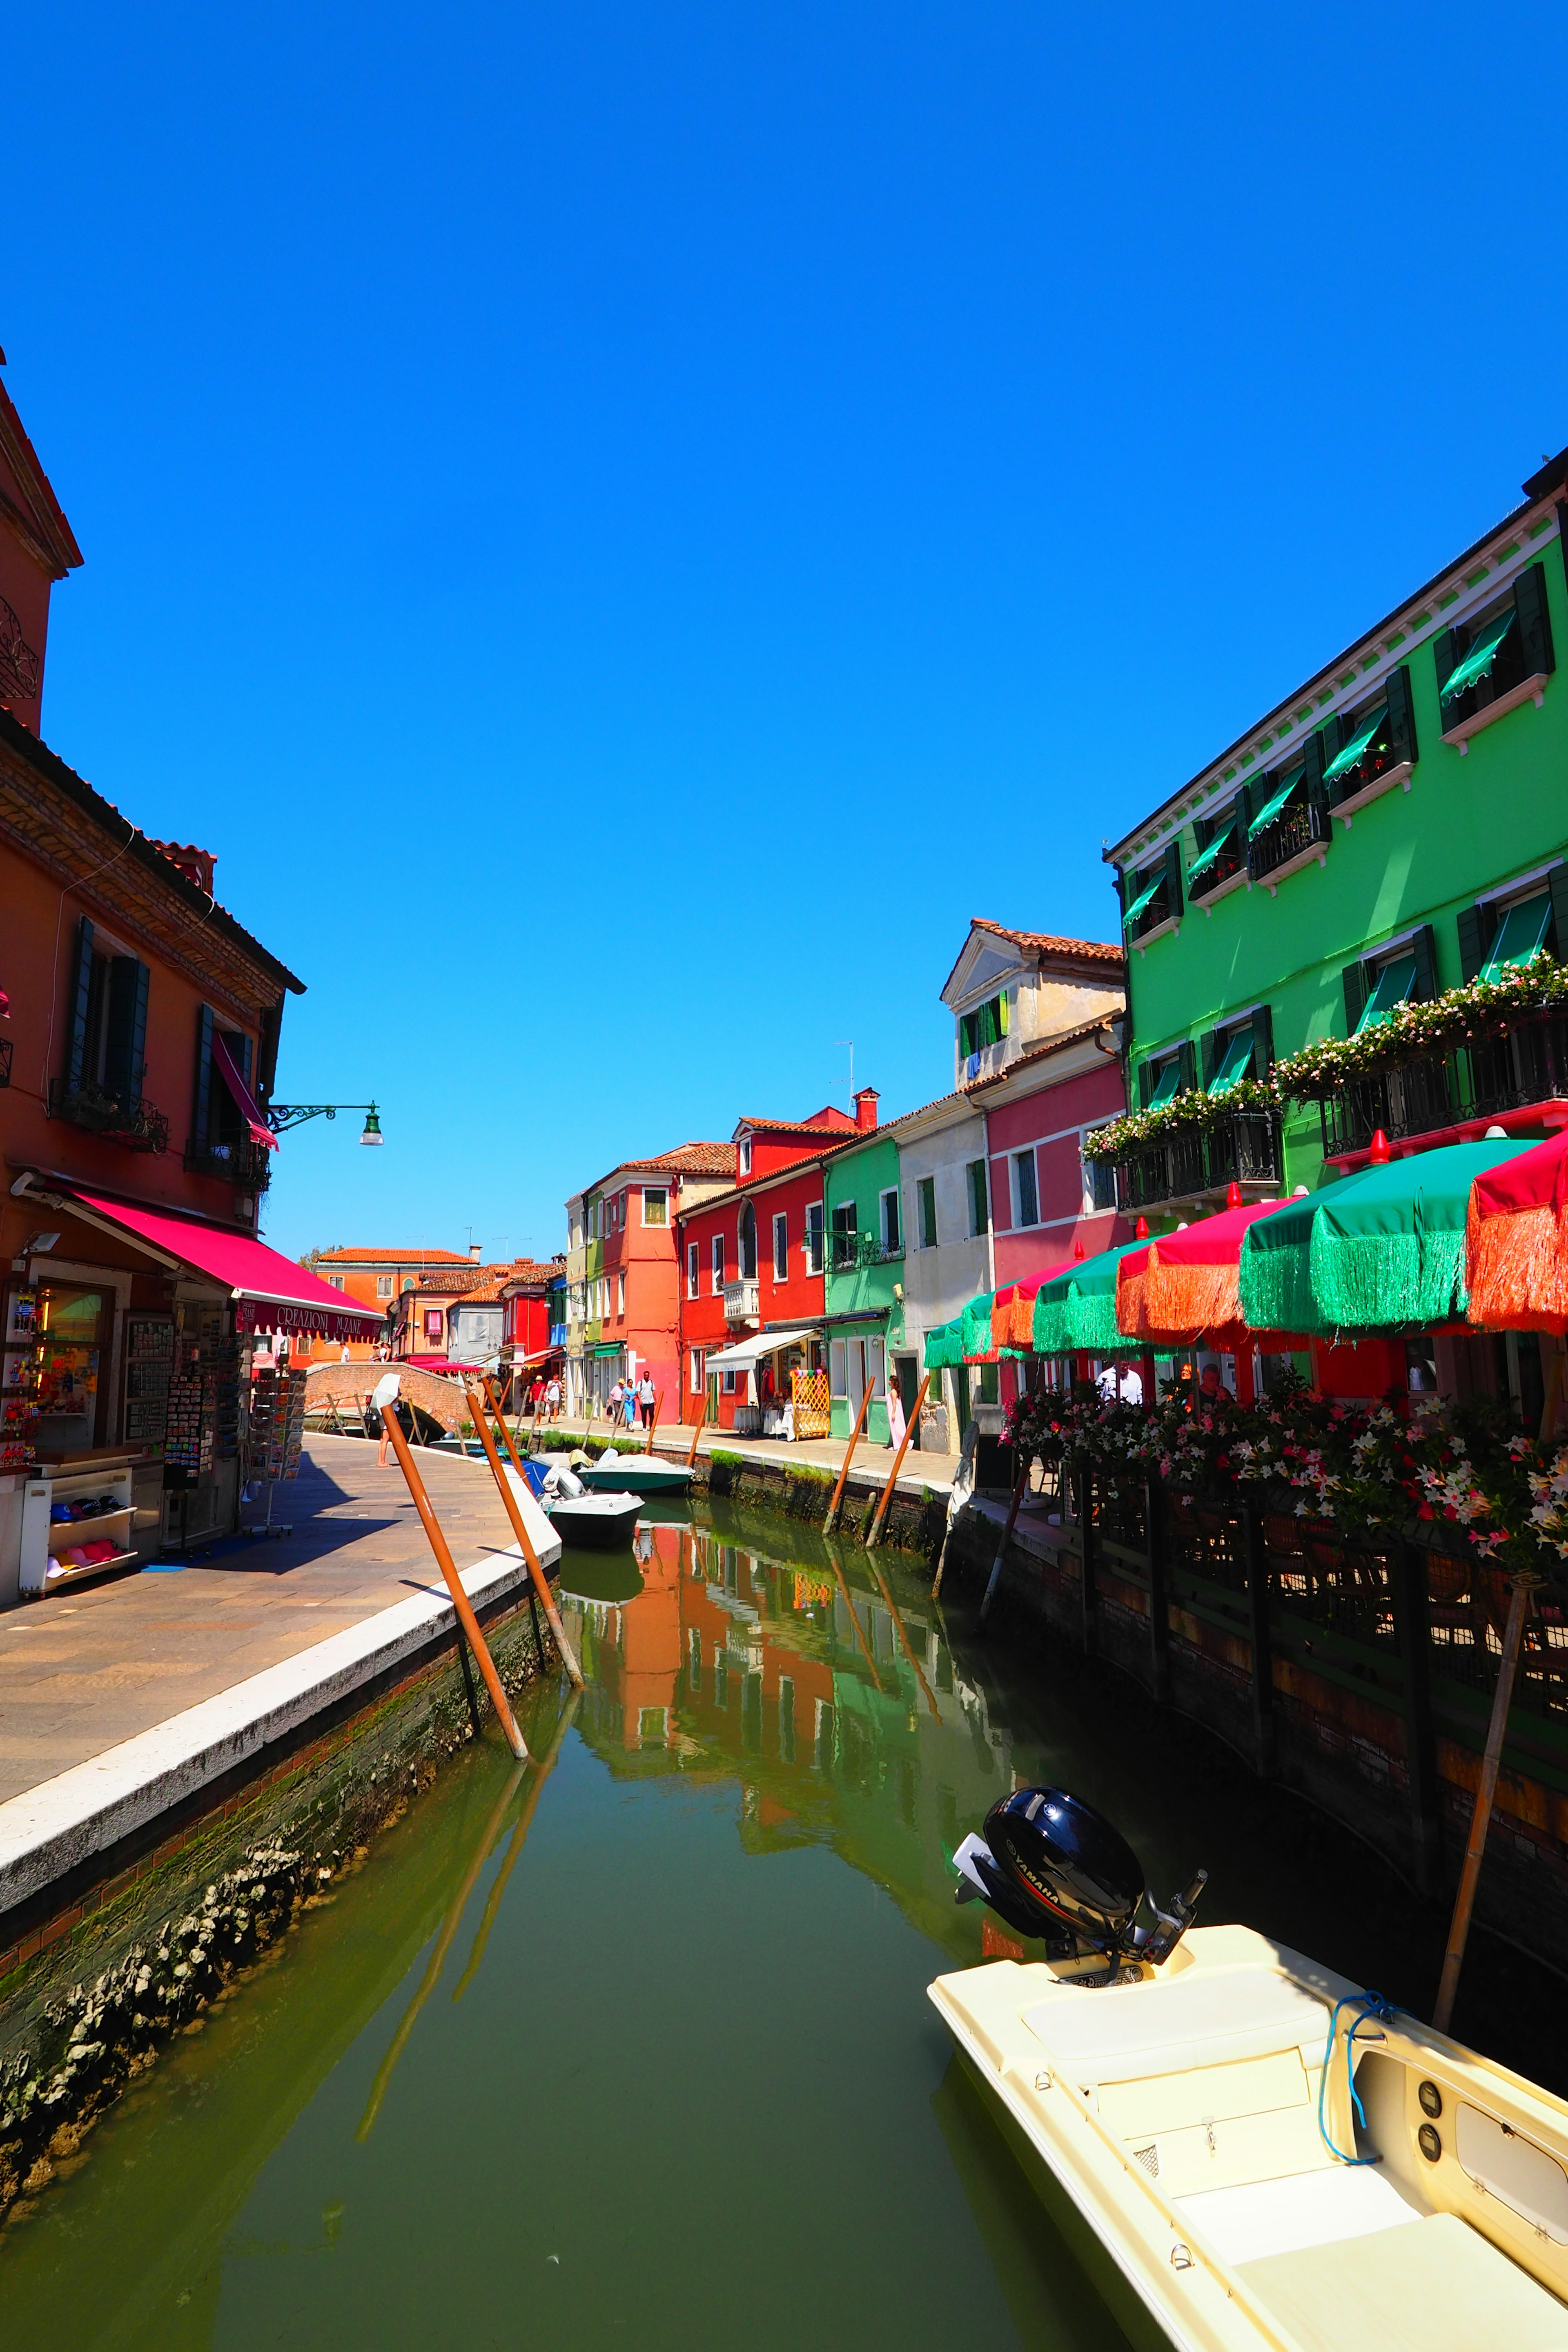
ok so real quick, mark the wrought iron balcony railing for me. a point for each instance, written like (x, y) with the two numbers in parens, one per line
(118, 1116)
(1529, 1065)
(1227, 863)
(1194, 1161)
(247, 1166)
(1303, 831)
(849, 1251)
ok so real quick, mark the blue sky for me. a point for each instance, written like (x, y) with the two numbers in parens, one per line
(623, 528)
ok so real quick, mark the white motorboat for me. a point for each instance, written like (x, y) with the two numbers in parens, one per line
(1252, 2151)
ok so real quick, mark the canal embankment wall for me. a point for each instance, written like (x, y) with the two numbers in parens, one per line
(136, 1887)
(1360, 1728)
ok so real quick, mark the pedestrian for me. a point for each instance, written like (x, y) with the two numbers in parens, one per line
(552, 1398)
(1123, 1380)
(629, 1393)
(384, 1402)
(1211, 1388)
(895, 1414)
(617, 1397)
(647, 1397)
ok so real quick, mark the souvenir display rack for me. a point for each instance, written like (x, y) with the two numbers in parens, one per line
(275, 1433)
(149, 1364)
(20, 1378)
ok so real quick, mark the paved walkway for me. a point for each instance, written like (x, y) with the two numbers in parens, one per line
(97, 1666)
(870, 1469)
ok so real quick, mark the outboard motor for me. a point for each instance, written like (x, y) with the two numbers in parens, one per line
(1051, 1866)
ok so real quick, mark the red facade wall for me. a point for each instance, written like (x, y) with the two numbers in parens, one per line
(798, 1299)
(1072, 1105)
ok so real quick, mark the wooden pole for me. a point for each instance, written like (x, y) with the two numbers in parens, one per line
(1018, 1492)
(519, 1529)
(700, 1410)
(831, 1521)
(880, 1513)
(1553, 1397)
(526, 1811)
(1481, 1819)
(865, 1651)
(653, 1424)
(965, 1458)
(466, 1619)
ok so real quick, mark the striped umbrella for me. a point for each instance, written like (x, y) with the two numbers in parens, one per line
(1516, 1242)
(1075, 1309)
(1381, 1250)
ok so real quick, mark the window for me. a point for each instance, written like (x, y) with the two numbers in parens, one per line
(1222, 841)
(1167, 1083)
(925, 1198)
(406, 1283)
(727, 1380)
(781, 1247)
(747, 1238)
(845, 1220)
(1520, 933)
(655, 1205)
(718, 1264)
(892, 1221)
(694, 1262)
(105, 1052)
(1393, 983)
(814, 1238)
(1495, 659)
(989, 1389)
(1361, 746)
(383, 1285)
(745, 1155)
(1152, 895)
(1026, 1193)
(1234, 1062)
(335, 1282)
(697, 1363)
(620, 1294)
(432, 1322)
(986, 1026)
(1242, 1049)
(837, 1369)
(979, 1197)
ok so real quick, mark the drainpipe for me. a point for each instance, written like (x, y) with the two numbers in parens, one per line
(990, 1220)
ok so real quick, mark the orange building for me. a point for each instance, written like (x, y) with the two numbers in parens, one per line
(391, 1281)
(38, 547)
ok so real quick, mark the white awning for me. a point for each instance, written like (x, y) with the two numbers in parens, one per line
(745, 1353)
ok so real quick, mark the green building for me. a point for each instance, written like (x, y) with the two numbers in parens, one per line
(1392, 836)
(863, 1283)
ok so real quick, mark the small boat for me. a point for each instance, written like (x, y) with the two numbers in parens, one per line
(601, 1522)
(634, 1473)
(1254, 2154)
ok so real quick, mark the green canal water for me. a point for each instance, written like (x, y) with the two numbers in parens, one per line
(637, 2051)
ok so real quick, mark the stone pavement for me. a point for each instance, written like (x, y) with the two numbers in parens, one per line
(95, 1666)
(868, 1471)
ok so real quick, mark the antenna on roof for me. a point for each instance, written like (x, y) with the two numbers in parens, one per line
(850, 1043)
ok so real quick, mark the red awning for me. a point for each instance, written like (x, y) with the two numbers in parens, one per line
(270, 1293)
(245, 1102)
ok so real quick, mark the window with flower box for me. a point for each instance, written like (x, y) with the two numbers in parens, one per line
(1501, 658)
(1290, 824)
(1368, 750)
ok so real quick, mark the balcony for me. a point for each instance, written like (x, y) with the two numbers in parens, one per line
(1219, 874)
(1444, 1097)
(120, 1116)
(848, 1251)
(247, 1166)
(742, 1300)
(1299, 835)
(1197, 1164)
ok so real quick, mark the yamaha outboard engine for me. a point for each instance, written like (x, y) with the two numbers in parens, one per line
(1051, 1866)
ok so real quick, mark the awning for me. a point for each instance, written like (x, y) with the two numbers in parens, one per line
(1272, 806)
(540, 1356)
(1521, 934)
(1395, 983)
(1383, 1250)
(1236, 1064)
(1186, 1292)
(245, 1102)
(944, 1347)
(1076, 1308)
(1356, 749)
(1141, 900)
(1209, 854)
(1481, 655)
(745, 1353)
(1169, 1082)
(270, 1293)
(1517, 1242)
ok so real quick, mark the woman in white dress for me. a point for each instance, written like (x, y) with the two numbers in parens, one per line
(895, 1414)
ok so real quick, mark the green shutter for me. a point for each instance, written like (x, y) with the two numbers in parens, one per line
(1186, 1054)
(1262, 1041)
(1446, 648)
(1521, 933)
(1401, 716)
(1173, 878)
(1534, 624)
(77, 1003)
(1169, 1080)
(1396, 981)
(1145, 1084)
(1207, 1049)
(1423, 947)
(1557, 883)
(125, 1028)
(1235, 1064)
(1475, 937)
(1002, 1014)
(267, 1060)
(1478, 662)
(201, 1098)
(1353, 978)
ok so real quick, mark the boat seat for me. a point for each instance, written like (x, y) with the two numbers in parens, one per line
(1260, 2217)
(1433, 2285)
(1163, 2025)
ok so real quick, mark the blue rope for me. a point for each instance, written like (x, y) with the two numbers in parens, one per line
(1367, 2005)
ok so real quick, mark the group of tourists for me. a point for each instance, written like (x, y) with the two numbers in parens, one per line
(632, 1402)
(544, 1398)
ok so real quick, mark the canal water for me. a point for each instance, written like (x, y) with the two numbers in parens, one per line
(636, 2050)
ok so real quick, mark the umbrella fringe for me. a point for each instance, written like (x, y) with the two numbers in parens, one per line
(1363, 1282)
(1517, 1264)
(975, 1326)
(1013, 1326)
(1182, 1299)
(1276, 1288)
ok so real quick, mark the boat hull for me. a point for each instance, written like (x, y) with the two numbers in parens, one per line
(637, 1477)
(595, 1522)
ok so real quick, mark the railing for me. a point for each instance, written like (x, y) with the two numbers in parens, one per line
(1308, 825)
(1244, 1149)
(1529, 1066)
(850, 1251)
(246, 1165)
(741, 1300)
(1229, 862)
(120, 1116)
(1156, 912)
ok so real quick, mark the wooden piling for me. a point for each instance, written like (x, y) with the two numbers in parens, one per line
(520, 1528)
(880, 1513)
(468, 1622)
(831, 1521)
(526, 1811)
(1087, 1563)
(1018, 1491)
(889, 1604)
(1519, 1606)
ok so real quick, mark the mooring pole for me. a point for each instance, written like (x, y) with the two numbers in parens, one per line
(519, 1529)
(890, 1605)
(1525, 1585)
(831, 1521)
(543, 1767)
(1087, 1562)
(467, 1621)
(880, 1513)
(865, 1649)
(996, 1577)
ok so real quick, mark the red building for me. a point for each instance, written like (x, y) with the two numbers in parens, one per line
(635, 1305)
(751, 1263)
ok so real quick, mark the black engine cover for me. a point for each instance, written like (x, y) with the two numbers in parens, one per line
(1067, 1864)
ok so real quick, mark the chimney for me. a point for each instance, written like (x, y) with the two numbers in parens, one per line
(865, 1101)
(476, 1252)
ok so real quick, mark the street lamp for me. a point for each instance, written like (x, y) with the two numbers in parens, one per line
(281, 1115)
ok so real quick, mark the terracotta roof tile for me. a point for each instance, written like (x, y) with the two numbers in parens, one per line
(686, 1160)
(398, 1257)
(1050, 944)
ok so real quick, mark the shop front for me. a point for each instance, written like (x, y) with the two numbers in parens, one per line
(144, 1392)
(765, 1386)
